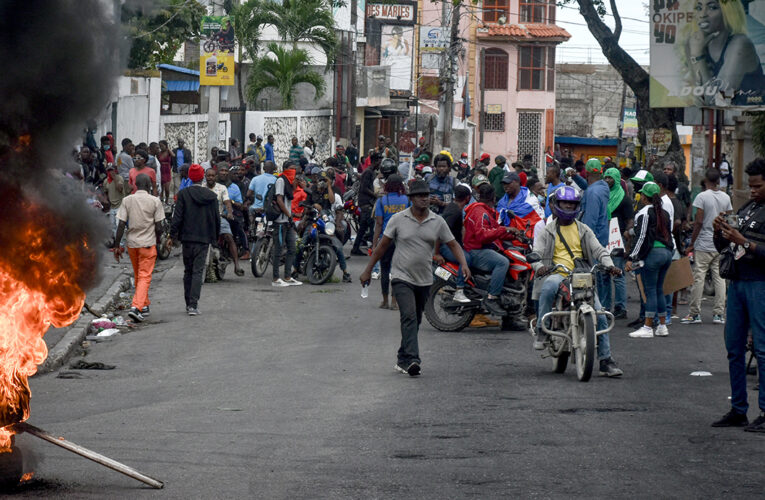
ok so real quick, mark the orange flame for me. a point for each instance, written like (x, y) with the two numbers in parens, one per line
(26, 477)
(45, 293)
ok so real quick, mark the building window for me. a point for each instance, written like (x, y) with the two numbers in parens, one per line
(495, 11)
(550, 69)
(533, 62)
(533, 11)
(495, 63)
(530, 136)
(494, 122)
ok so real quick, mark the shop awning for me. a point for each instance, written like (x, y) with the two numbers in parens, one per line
(586, 141)
(180, 85)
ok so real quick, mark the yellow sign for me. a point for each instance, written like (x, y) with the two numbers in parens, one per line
(493, 109)
(216, 51)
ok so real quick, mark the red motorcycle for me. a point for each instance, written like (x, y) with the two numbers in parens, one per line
(449, 316)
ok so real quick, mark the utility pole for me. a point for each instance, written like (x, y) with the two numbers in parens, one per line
(451, 77)
(443, 70)
(213, 108)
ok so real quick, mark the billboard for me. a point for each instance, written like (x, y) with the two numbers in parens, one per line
(396, 52)
(707, 53)
(216, 51)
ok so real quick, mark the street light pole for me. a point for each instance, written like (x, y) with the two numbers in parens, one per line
(213, 105)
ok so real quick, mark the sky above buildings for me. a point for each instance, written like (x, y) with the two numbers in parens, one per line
(583, 48)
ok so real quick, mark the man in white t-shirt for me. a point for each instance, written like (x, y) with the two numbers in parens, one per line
(224, 202)
(709, 204)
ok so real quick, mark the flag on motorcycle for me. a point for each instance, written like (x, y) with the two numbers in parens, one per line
(522, 212)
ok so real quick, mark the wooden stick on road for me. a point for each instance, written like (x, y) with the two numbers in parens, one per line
(89, 454)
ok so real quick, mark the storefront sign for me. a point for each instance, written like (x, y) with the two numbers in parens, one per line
(391, 12)
(216, 51)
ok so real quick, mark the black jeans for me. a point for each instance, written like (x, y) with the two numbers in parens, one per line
(411, 302)
(365, 224)
(284, 234)
(194, 258)
(237, 227)
(385, 264)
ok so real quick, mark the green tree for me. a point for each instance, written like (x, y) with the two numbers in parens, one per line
(310, 21)
(633, 75)
(157, 30)
(288, 67)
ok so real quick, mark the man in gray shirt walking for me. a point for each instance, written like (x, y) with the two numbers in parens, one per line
(414, 232)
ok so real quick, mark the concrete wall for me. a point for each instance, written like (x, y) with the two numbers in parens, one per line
(285, 124)
(588, 100)
(193, 130)
(138, 102)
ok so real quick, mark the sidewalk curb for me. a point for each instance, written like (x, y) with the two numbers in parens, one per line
(79, 329)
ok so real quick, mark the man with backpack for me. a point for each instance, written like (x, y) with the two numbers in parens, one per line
(277, 207)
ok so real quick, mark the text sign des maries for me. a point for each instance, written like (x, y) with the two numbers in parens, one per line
(393, 12)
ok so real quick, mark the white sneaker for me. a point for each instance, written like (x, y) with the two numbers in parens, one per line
(279, 283)
(459, 296)
(718, 319)
(644, 332)
(375, 275)
(661, 331)
(292, 282)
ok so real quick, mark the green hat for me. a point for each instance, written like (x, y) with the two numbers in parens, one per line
(642, 176)
(479, 179)
(650, 189)
(423, 158)
(593, 165)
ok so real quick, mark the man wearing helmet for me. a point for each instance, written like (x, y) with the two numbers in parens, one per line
(462, 167)
(560, 242)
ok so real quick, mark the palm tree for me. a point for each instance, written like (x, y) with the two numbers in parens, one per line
(248, 19)
(309, 21)
(283, 72)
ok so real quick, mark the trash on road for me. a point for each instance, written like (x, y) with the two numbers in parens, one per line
(90, 365)
(701, 374)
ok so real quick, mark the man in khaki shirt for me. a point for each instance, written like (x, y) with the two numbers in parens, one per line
(143, 213)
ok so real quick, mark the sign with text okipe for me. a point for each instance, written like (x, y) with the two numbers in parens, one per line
(707, 53)
(216, 51)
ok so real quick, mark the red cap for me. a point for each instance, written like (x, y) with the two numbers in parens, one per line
(463, 155)
(196, 172)
(485, 156)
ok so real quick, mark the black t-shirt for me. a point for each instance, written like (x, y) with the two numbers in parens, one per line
(624, 212)
(366, 186)
(453, 217)
(316, 197)
(680, 209)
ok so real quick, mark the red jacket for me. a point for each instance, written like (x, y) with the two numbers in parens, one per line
(482, 228)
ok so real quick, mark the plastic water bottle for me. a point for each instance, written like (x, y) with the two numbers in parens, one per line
(365, 290)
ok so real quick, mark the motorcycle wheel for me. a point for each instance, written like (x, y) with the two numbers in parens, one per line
(437, 316)
(320, 269)
(163, 252)
(261, 256)
(209, 46)
(584, 352)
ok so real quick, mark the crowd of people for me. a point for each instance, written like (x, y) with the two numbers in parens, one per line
(408, 214)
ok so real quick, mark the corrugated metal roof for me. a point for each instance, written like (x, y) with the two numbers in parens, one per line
(179, 69)
(181, 85)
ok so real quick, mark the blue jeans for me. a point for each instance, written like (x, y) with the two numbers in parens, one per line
(745, 311)
(655, 269)
(620, 287)
(491, 262)
(447, 254)
(546, 298)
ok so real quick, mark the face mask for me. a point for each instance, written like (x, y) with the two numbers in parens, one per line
(541, 199)
(106, 148)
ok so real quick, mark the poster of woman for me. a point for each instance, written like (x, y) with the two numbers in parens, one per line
(703, 53)
(396, 43)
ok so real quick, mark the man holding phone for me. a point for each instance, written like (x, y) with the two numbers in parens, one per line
(708, 204)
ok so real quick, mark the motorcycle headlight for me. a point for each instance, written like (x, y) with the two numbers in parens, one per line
(330, 228)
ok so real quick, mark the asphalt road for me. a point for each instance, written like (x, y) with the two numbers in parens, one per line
(291, 393)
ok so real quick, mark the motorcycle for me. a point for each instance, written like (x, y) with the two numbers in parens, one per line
(262, 233)
(163, 250)
(319, 259)
(447, 315)
(572, 324)
(351, 213)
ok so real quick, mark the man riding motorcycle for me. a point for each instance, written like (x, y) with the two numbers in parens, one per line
(562, 241)
(483, 237)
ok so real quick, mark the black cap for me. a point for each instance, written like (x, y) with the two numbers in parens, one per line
(419, 187)
(511, 177)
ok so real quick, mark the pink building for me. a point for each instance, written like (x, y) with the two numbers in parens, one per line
(509, 69)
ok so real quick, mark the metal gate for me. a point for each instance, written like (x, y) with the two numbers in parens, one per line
(530, 136)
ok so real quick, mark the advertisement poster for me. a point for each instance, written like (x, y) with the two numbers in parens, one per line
(629, 123)
(396, 52)
(658, 141)
(216, 51)
(707, 53)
